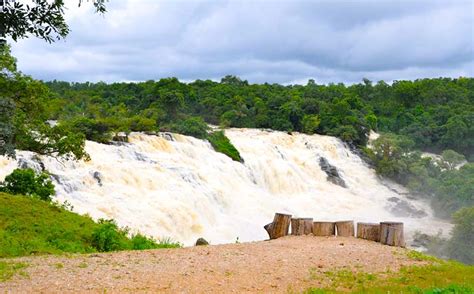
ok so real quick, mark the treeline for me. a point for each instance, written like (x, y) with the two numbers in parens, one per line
(437, 114)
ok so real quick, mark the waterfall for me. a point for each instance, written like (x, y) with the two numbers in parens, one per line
(170, 185)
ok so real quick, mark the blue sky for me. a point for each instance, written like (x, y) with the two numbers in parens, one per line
(261, 41)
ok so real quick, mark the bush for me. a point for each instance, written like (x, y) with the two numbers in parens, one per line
(141, 242)
(109, 237)
(223, 145)
(26, 182)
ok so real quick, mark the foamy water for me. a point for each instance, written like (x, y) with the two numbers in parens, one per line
(178, 186)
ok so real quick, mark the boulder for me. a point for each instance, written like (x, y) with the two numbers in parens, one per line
(332, 173)
(201, 241)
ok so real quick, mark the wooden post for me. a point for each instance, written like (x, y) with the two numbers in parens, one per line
(391, 233)
(324, 228)
(279, 227)
(345, 228)
(297, 226)
(368, 231)
(308, 225)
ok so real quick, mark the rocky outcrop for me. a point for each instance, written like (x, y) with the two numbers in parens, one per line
(403, 208)
(333, 175)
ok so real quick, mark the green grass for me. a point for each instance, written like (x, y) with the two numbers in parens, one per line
(222, 144)
(438, 276)
(8, 270)
(30, 226)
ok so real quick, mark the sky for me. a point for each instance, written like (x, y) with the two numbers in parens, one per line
(274, 41)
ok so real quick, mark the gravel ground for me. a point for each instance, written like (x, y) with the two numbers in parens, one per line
(279, 266)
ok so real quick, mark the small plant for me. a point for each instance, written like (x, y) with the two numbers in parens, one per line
(167, 242)
(58, 265)
(27, 182)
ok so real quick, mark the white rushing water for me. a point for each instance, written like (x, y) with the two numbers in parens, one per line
(179, 187)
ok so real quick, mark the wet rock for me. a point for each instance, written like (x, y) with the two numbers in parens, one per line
(421, 240)
(120, 137)
(332, 173)
(404, 208)
(34, 164)
(98, 177)
(201, 242)
(167, 136)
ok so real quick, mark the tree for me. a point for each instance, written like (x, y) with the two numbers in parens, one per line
(43, 19)
(460, 245)
(24, 114)
(27, 182)
(311, 123)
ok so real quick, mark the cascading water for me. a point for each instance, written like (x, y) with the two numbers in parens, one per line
(178, 186)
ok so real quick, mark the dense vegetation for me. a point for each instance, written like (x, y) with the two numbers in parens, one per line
(437, 114)
(29, 225)
(447, 180)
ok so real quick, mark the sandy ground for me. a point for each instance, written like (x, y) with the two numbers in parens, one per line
(289, 264)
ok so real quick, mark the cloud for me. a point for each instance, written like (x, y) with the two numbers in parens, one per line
(262, 41)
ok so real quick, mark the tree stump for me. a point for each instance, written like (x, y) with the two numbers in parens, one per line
(301, 226)
(345, 228)
(308, 226)
(368, 231)
(324, 228)
(279, 227)
(391, 233)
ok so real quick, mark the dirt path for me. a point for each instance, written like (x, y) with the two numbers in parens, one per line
(279, 266)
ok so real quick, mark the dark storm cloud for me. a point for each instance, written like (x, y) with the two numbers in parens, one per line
(262, 41)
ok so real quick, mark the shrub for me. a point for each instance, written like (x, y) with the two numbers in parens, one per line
(109, 237)
(223, 145)
(27, 182)
(141, 242)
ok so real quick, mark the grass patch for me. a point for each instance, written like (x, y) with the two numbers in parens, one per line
(222, 144)
(8, 270)
(418, 256)
(437, 277)
(29, 226)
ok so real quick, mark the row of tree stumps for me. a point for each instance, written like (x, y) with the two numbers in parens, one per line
(389, 233)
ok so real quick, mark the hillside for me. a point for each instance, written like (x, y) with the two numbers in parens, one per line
(286, 265)
(30, 226)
